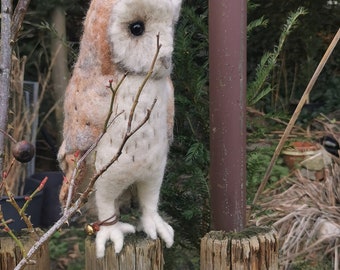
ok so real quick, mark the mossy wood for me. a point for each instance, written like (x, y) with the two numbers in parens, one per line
(138, 253)
(10, 253)
(255, 248)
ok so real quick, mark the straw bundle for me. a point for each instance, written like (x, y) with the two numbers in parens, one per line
(19, 124)
(306, 214)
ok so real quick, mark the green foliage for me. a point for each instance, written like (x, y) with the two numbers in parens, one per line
(260, 86)
(185, 192)
(57, 246)
(257, 163)
(198, 155)
(302, 51)
(188, 165)
(256, 23)
(66, 249)
(191, 73)
(305, 264)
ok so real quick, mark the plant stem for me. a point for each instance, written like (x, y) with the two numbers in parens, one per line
(30, 197)
(18, 17)
(18, 209)
(11, 234)
(5, 69)
(147, 77)
(7, 135)
(114, 91)
(296, 114)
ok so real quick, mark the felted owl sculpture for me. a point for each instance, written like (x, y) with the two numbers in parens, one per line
(120, 38)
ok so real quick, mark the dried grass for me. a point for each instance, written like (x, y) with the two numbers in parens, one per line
(21, 116)
(306, 214)
(20, 119)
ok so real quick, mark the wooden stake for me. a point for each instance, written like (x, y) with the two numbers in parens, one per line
(10, 253)
(138, 253)
(255, 248)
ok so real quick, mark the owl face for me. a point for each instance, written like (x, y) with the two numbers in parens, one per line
(133, 30)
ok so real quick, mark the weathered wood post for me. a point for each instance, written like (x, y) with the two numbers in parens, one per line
(231, 246)
(254, 248)
(10, 253)
(138, 253)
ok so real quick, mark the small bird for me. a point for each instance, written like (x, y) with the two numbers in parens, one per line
(330, 144)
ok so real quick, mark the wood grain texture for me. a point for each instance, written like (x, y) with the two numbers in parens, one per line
(254, 248)
(138, 253)
(10, 253)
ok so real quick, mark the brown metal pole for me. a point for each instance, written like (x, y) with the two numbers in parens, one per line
(227, 80)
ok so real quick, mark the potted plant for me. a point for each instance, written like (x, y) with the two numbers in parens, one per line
(308, 156)
(297, 151)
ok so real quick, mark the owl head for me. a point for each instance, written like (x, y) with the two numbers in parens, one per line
(132, 35)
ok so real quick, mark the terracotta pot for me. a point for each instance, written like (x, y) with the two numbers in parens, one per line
(297, 152)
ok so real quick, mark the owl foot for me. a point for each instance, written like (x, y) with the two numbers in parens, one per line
(115, 233)
(153, 224)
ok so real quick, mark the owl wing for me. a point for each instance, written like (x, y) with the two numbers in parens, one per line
(85, 96)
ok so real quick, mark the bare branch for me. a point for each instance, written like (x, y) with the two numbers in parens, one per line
(18, 17)
(147, 77)
(80, 161)
(5, 69)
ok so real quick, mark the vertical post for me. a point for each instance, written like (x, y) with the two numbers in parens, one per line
(227, 80)
(5, 69)
(60, 72)
(11, 254)
(256, 248)
(138, 253)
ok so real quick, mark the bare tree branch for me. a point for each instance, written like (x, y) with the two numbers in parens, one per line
(18, 17)
(10, 27)
(5, 69)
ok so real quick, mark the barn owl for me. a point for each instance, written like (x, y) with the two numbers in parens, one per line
(120, 39)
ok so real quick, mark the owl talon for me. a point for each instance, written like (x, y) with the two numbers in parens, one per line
(115, 233)
(153, 225)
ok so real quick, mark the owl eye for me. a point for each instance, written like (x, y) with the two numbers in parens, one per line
(137, 28)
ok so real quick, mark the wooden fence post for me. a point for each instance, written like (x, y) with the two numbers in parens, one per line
(254, 248)
(10, 253)
(138, 253)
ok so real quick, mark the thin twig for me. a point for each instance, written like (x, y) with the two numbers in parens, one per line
(114, 91)
(13, 202)
(31, 196)
(148, 75)
(7, 229)
(278, 120)
(18, 17)
(8, 135)
(127, 136)
(44, 87)
(80, 161)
